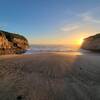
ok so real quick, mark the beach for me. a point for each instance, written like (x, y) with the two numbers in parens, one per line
(50, 76)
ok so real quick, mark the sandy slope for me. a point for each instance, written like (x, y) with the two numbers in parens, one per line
(50, 76)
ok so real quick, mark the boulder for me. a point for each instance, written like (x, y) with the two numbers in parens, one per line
(92, 43)
(11, 43)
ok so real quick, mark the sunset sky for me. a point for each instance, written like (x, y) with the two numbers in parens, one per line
(51, 21)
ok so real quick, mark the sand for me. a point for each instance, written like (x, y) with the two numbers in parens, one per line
(50, 76)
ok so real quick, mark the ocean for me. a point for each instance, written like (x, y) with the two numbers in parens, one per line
(51, 48)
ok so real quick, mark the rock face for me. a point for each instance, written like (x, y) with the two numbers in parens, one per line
(92, 43)
(11, 43)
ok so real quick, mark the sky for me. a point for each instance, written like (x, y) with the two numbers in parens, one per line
(51, 21)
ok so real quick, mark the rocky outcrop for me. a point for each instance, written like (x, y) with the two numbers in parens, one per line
(92, 43)
(11, 43)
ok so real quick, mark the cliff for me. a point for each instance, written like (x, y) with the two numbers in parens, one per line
(11, 43)
(92, 43)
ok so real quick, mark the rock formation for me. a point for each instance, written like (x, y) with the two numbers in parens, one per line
(92, 43)
(11, 43)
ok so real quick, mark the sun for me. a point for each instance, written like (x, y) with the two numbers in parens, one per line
(79, 41)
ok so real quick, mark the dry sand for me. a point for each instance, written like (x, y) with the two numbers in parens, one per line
(50, 76)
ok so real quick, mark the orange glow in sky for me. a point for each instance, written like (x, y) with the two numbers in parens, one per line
(78, 41)
(75, 39)
(70, 41)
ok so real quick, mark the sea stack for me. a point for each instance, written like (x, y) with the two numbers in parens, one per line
(12, 43)
(92, 43)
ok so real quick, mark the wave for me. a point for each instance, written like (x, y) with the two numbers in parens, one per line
(50, 48)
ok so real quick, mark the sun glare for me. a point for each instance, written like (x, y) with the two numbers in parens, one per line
(78, 42)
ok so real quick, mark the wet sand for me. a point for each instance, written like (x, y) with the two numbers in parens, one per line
(50, 76)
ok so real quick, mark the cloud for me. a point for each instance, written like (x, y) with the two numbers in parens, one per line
(86, 17)
(90, 17)
(83, 20)
(3, 26)
(68, 28)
